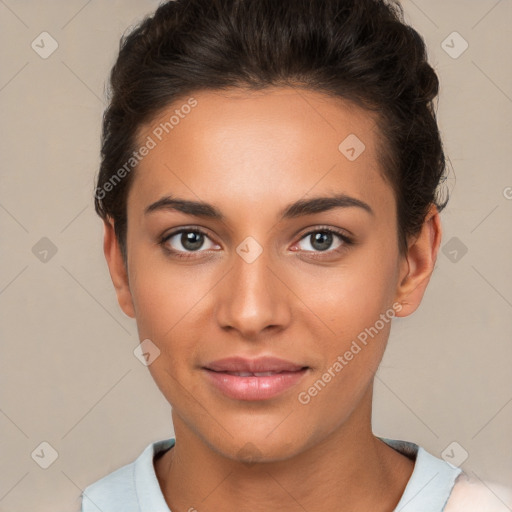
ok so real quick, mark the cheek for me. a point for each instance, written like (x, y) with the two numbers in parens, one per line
(350, 297)
(356, 303)
(163, 296)
(349, 362)
(169, 305)
(166, 305)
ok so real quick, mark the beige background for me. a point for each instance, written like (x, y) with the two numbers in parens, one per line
(68, 373)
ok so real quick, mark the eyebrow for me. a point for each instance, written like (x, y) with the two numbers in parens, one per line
(299, 208)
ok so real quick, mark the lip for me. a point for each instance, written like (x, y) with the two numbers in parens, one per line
(284, 375)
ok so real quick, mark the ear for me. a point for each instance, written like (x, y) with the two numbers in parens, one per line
(418, 264)
(117, 269)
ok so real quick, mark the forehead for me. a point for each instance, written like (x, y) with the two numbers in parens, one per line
(249, 148)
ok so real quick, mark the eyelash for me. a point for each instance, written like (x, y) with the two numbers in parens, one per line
(347, 241)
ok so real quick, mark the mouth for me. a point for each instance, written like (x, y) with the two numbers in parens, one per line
(254, 379)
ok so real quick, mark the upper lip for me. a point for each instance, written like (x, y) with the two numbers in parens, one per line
(260, 364)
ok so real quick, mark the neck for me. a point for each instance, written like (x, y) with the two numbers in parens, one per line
(350, 469)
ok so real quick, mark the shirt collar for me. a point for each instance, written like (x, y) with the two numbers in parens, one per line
(431, 482)
(427, 490)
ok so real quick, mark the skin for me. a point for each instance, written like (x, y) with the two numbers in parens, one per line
(251, 154)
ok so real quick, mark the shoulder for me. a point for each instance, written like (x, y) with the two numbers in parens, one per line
(130, 488)
(473, 495)
(112, 492)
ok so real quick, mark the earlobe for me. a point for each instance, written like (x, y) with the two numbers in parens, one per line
(117, 269)
(418, 264)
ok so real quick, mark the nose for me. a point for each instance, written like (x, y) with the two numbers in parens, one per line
(253, 298)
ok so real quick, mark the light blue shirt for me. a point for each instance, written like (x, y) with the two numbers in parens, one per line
(135, 488)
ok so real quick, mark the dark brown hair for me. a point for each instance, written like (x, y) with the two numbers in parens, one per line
(359, 50)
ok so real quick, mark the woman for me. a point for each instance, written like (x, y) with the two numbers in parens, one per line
(269, 190)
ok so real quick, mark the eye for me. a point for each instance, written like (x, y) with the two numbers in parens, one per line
(321, 240)
(190, 240)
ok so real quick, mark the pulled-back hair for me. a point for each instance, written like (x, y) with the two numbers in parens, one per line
(357, 50)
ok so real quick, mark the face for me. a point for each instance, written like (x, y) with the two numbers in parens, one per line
(264, 277)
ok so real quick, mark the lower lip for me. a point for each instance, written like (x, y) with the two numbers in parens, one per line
(254, 388)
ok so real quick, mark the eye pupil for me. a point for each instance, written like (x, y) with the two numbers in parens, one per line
(324, 238)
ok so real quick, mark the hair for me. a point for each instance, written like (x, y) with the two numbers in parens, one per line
(357, 50)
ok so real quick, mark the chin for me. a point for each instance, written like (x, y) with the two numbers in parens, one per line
(251, 453)
(256, 447)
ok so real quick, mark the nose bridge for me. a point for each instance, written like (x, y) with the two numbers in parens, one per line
(253, 297)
